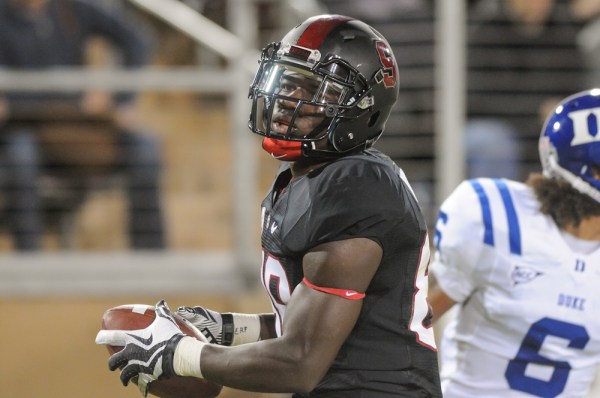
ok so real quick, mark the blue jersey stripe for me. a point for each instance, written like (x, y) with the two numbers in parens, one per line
(442, 218)
(514, 231)
(486, 214)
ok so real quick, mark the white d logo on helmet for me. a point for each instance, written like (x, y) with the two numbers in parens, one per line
(581, 127)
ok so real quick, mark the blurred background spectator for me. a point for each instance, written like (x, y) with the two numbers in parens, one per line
(53, 145)
(522, 55)
(522, 58)
(588, 38)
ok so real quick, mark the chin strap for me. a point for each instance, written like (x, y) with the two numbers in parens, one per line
(287, 151)
(290, 151)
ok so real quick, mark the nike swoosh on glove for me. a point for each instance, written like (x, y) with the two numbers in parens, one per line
(147, 353)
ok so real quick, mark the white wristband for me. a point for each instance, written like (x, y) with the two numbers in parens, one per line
(246, 328)
(186, 360)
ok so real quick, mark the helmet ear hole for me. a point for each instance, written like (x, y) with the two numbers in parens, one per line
(373, 119)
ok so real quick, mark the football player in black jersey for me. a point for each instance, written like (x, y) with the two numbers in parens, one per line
(345, 246)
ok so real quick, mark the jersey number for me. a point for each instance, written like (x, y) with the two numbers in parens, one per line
(278, 287)
(529, 354)
(420, 307)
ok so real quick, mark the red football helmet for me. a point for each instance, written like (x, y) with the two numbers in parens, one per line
(332, 77)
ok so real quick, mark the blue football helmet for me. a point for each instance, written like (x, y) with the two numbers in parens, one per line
(570, 142)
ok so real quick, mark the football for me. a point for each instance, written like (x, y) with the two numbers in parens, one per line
(139, 316)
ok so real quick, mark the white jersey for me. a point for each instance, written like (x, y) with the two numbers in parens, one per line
(529, 319)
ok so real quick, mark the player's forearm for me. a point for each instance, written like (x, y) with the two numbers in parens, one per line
(267, 366)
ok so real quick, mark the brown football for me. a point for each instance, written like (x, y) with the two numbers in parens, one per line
(139, 316)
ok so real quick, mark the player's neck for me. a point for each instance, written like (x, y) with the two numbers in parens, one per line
(588, 229)
(302, 167)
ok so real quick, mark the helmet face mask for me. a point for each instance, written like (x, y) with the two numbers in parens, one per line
(570, 142)
(295, 104)
(324, 88)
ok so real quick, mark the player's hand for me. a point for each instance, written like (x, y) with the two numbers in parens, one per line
(210, 323)
(148, 353)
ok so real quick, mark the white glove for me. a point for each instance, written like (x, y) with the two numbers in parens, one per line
(228, 328)
(147, 353)
(210, 323)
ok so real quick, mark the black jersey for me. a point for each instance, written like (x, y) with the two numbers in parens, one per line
(390, 351)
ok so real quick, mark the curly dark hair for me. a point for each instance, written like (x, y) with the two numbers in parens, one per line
(558, 199)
